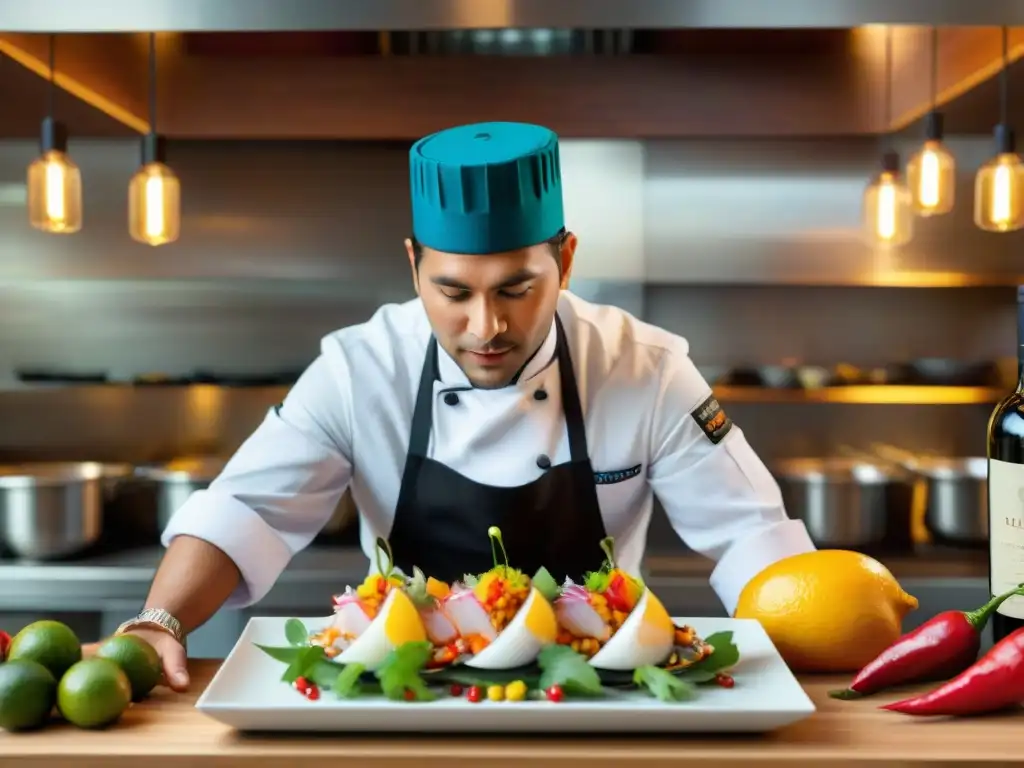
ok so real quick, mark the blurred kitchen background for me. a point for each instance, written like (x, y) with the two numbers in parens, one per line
(714, 177)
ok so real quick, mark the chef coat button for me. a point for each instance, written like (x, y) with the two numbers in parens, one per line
(543, 462)
(540, 394)
(450, 398)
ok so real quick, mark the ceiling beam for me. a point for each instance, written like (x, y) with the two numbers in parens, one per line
(967, 57)
(106, 71)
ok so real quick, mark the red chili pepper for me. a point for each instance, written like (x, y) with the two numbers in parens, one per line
(995, 682)
(943, 646)
(5, 643)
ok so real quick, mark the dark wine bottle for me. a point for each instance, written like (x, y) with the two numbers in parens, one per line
(1006, 495)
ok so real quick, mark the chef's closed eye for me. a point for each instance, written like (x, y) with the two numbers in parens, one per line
(453, 293)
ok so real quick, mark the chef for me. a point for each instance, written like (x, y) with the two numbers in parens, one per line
(495, 398)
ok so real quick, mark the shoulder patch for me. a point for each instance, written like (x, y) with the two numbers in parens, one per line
(712, 419)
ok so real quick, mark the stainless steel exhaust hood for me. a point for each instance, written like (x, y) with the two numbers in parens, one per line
(394, 15)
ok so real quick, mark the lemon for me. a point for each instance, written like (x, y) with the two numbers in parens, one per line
(827, 611)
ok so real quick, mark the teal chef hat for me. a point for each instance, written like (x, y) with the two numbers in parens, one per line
(486, 188)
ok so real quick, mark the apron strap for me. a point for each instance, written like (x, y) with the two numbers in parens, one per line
(574, 423)
(422, 417)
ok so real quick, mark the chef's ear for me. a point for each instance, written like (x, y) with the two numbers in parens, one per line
(411, 251)
(567, 250)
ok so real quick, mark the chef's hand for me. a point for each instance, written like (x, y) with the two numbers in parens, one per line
(171, 653)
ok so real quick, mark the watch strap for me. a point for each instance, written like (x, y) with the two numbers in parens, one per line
(155, 618)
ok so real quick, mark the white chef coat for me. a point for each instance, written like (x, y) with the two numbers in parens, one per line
(347, 421)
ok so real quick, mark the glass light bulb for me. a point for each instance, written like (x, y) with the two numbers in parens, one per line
(888, 211)
(55, 193)
(999, 194)
(154, 205)
(931, 178)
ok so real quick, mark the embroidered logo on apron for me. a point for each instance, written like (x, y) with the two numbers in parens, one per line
(712, 419)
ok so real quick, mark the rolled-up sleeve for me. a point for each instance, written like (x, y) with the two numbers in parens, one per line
(282, 485)
(719, 496)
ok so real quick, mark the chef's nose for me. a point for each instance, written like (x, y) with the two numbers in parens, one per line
(485, 322)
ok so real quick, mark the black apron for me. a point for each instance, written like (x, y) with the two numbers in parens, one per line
(442, 517)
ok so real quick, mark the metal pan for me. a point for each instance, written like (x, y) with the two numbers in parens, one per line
(848, 502)
(53, 510)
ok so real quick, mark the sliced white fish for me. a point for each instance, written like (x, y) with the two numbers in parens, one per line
(468, 615)
(440, 628)
(576, 614)
(350, 616)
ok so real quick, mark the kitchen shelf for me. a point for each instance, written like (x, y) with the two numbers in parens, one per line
(861, 395)
(864, 395)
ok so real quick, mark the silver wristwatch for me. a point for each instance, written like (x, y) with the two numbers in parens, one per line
(155, 618)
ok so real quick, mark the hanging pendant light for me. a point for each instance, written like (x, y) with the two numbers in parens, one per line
(54, 181)
(999, 185)
(888, 213)
(931, 171)
(154, 195)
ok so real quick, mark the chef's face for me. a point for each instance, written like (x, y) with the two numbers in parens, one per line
(491, 313)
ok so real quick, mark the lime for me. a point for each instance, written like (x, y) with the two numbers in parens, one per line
(137, 658)
(94, 693)
(52, 644)
(27, 694)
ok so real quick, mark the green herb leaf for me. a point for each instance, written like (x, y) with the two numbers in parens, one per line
(400, 672)
(470, 580)
(416, 589)
(725, 656)
(303, 663)
(561, 665)
(596, 582)
(284, 654)
(546, 584)
(663, 685)
(295, 632)
(347, 684)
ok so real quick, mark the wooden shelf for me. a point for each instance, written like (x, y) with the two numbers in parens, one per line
(864, 395)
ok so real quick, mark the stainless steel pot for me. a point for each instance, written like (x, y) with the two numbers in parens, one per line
(956, 507)
(52, 510)
(848, 502)
(176, 480)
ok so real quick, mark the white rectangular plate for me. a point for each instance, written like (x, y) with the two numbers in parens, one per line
(247, 693)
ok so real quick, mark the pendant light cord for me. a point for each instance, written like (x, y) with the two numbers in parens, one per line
(935, 67)
(52, 95)
(152, 82)
(888, 79)
(1004, 77)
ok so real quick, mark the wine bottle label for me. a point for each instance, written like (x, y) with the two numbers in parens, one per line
(1006, 532)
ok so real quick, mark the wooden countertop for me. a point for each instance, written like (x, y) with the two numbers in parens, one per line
(167, 730)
